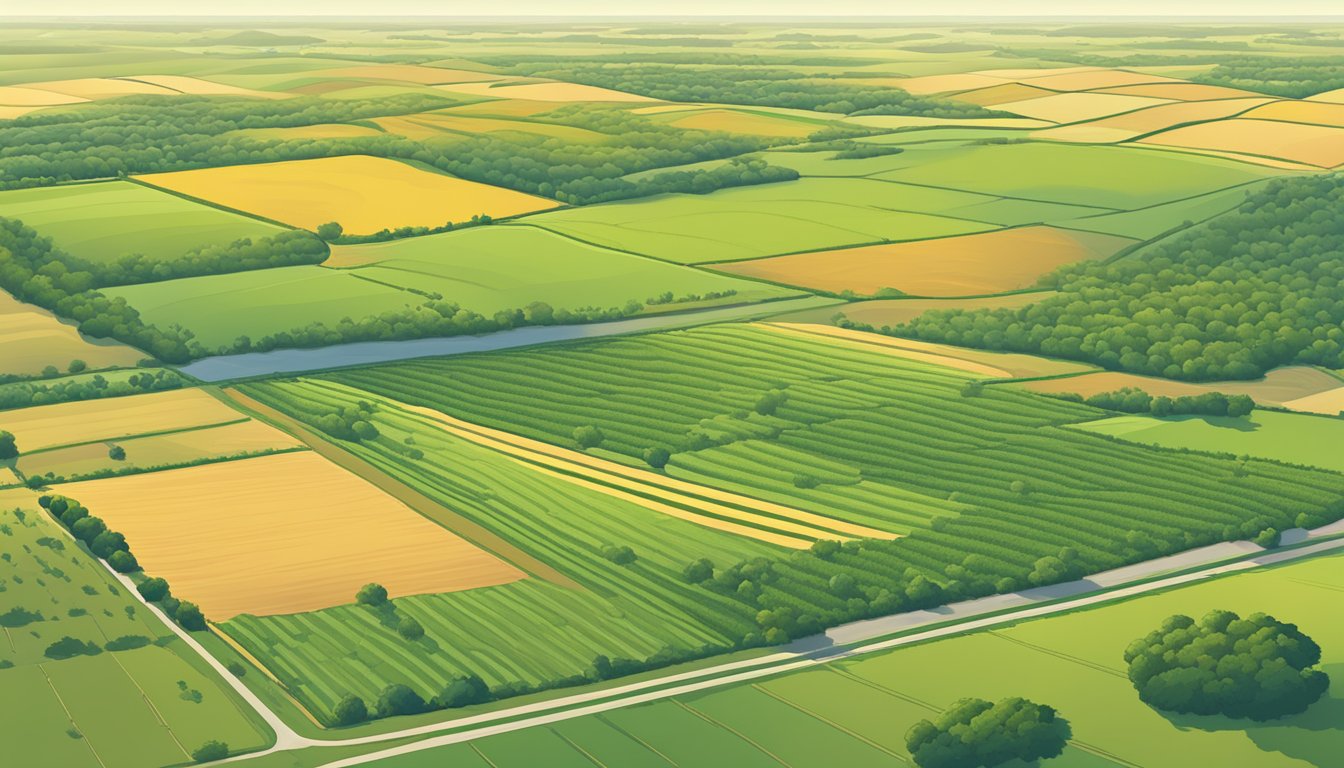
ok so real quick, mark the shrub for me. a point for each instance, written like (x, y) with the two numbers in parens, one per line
(973, 733)
(107, 542)
(351, 710)
(657, 457)
(398, 699)
(68, 647)
(371, 594)
(123, 562)
(189, 615)
(9, 449)
(126, 643)
(621, 555)
(1268, 538)
(588, 436)
(329, 231)
(698, 571)
(1257, 667)
(86, 529)
(210, 750)
(116, 453)
(462, 692)
(410, 629)
(236, 668)
(153, 589)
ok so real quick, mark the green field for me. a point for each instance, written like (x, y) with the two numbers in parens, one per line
(116, 709)
(856, 712)
(104, 221)
(529, 631)
(1295, 438)
(488, 269)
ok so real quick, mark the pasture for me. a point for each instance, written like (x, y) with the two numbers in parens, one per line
(147, 705)
(970, 265)
(198, 528)
(103, 221)
(858, 710)
(34, 338)
(364, 194)
(1294, 438)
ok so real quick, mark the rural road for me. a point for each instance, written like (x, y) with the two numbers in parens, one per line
(991, 611)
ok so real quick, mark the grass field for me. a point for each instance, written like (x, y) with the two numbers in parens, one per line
(34, 338)
(364, 194)
(487, 269)
(199, 528)
(970, 265)
(103, 221)
(118, 709)
(856, 712)
(1291, 437)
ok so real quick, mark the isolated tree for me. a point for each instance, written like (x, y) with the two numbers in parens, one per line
(1257, 667)
(77, 366)
(588, 436)
(210, 751)
(330, 231)
(620, 555)
(189, 615)
(410, 629)
(371, 594)
(351, 710)
(974, 733)
(398, 699)
(657, 457)
(116, 453)
(8, 448)
(153, 589)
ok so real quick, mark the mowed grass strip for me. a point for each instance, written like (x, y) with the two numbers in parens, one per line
(969, 265)
(327, 533)
(73, 423)
(364, 194)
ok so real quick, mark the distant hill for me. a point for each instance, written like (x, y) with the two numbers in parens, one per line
(258, 38)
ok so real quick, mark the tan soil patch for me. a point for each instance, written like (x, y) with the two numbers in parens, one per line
(1278, 387)
(1181, 91)
(1002, 94)
(1087, 81)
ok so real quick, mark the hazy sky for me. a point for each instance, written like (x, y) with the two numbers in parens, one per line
(675, 7)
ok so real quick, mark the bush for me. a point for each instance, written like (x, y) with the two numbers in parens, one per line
(410, 629)
(68, 648)
(189, 615)
(371, 594)
(462, 692)
(328, 232)
(236, 668)
(657, 457)
(398, 699)
(1268, 538)
(127, 643)
(107, 542)
(8, 448)
(153, 589)
(116, 453)
(86, 529)
(1257, 667)
(973, 733)
(588, 437)
(351, 710)
(622, 555)
(123, 562)
(210, 750)
(698, 571)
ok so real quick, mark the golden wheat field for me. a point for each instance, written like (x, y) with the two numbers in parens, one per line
(1315, 145)
(84, 421)
(1294, 384)
(33, 339)
(278, 534)
(364, 194)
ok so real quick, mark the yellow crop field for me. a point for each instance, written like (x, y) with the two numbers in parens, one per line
(365, 194)
(94, 88)
(405, 73)
(1002, 94)
(1329, 97)
(282, 534)
(1329, 402)
(967, 265)
(1075, 107)
(978, 362)
(1181, 91)
(734, 121)
(198, 87)
(552, 92)
(1281, 386)
(1169, 115)
(1087, 81)
(83, 421)
(437, 124)
(1024, 74)
(21, 96)
(33, 338)
(244, 437)
(503, 108)
(966, 81)
(1316, 113)
(1316, 145)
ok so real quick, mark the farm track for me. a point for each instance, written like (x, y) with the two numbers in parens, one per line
(472, 532)
(780, 524)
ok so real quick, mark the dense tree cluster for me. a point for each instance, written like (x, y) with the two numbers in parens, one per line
(104, 543)
(974, 733)
(1253, 289)
(1257, 667)
(9, 448)
(349, 423)
(25, 393)
(1134, 400)
(756, 86)
(284, 249)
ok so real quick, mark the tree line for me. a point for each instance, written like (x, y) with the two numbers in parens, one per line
(24, 394)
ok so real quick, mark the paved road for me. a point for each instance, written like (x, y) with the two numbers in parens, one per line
(834, 644)
(822, 656)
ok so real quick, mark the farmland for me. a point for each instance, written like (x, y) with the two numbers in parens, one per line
(372, 382)
(123, 708)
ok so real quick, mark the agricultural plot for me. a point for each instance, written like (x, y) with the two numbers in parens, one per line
(1320, 146)
(970, 265)
(33, 339)
(1289, 437)
(488, 269)
(364, 194)
(859, 709)
(104, 221)
(927, 451)
(1297, 387)
(880, 313)
(197, 527)
(150, 703)
(62, 424)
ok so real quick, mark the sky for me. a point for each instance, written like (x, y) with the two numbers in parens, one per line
(678, 8)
